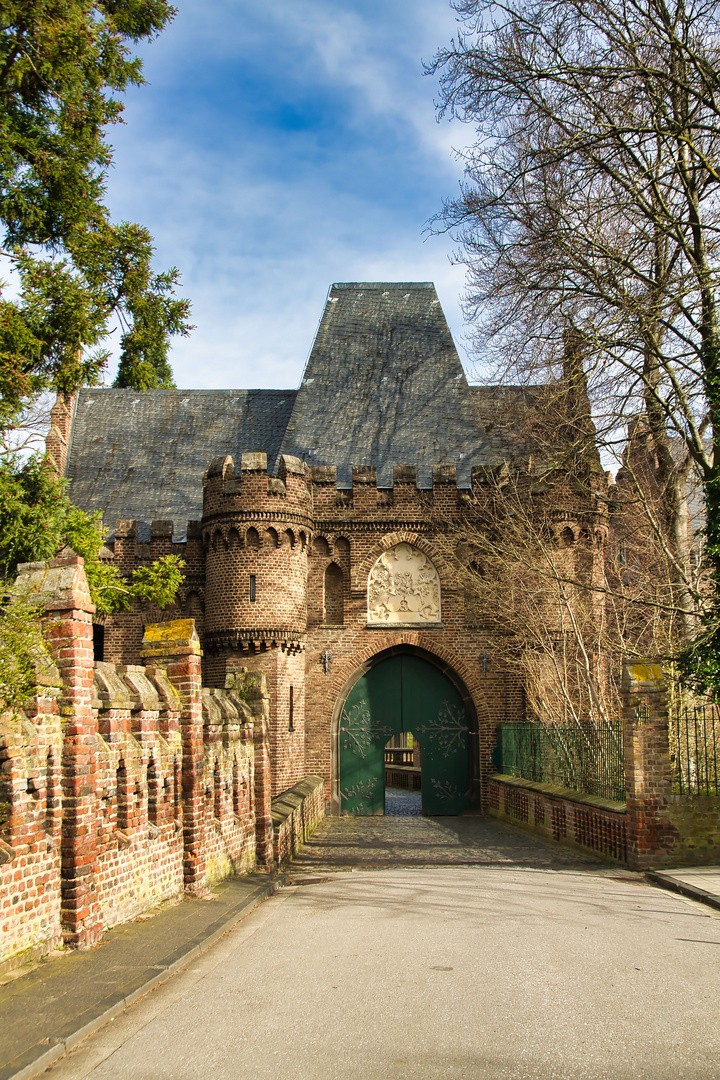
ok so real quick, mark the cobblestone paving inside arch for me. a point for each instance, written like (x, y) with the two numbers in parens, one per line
(399, 802)
(346, 843)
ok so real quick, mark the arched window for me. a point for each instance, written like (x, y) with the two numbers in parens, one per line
(342, 547)
(567, 537)
(320, 546)
(252, 538)
(271, 538)
(333, 595)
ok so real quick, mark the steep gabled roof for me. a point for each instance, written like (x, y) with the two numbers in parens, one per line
(384, 386)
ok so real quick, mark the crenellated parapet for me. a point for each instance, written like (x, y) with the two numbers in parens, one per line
(251, 493)
(405, 500)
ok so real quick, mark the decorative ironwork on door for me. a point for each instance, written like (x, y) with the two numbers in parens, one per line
(404, 693)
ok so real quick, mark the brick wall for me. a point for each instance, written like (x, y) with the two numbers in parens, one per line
(580, 821)
(228, 782)
(139, 820)
(655, 827)
(664, 829)
(125, 784)
(296, 815)
(30, 756)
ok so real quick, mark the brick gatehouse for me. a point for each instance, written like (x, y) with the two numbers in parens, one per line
(308, 521)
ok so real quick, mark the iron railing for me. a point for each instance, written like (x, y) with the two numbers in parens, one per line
(694, 733)
(586, 758)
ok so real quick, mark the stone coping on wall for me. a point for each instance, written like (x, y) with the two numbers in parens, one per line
(133, 687)
(223, 708)
(555, 792)
(284, 805)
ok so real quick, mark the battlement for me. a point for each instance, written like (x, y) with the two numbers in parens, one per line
(252, 489)
(409, 491)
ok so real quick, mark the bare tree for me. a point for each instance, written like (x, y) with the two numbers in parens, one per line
(591, 207)
(563, 594)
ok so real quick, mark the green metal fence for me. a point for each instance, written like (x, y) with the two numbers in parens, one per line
(587, 758)
(694, 733)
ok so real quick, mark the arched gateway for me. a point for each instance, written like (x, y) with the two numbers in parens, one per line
(404, 693)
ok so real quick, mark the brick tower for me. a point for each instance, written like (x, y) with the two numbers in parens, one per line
(256, 531)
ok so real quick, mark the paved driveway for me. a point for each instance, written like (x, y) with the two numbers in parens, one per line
(474, 972)
(371, 842)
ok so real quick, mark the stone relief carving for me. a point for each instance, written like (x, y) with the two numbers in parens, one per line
(403, 587)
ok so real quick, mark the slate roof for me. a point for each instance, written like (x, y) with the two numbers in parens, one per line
(143, 455)
(384, 386)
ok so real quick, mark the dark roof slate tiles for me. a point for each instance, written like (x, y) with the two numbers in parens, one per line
(384, 386)
(143, 455)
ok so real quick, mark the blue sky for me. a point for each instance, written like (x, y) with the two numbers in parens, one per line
(278, 148)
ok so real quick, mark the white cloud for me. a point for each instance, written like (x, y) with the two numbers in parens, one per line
(261, 220)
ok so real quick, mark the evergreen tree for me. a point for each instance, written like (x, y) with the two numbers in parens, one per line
(63, 66)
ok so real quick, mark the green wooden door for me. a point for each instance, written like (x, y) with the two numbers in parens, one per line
(400, 694)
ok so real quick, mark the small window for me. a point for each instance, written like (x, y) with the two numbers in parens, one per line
(153, 792)
(291, 718)
(252, 588)
(98, 642)
(567, 538)
(123, 797)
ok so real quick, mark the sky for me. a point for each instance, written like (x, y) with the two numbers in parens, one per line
(276, 149)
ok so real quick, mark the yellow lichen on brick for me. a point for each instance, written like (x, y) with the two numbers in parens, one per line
(166, 636)
(646, 673)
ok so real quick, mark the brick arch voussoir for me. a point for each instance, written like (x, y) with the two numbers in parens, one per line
(447, 661)
(402, 536)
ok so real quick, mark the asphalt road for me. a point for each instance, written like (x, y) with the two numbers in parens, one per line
(460, 973)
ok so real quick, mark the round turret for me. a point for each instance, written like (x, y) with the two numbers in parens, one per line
(256, 532)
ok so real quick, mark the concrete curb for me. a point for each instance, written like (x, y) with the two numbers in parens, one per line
(41, 1056)
(666, 881)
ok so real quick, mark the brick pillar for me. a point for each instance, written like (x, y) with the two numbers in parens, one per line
(176, 647)
(647, 764)
(62, 588)
(125, 545)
